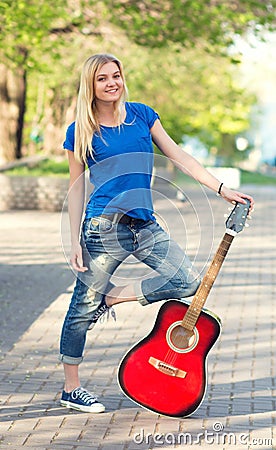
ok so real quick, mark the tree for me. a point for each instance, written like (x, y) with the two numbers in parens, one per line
(33, 33)
(27, 32)
(12, 101)
(195, 93)
(203, 23)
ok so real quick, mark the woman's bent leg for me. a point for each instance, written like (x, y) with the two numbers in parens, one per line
(177, 277)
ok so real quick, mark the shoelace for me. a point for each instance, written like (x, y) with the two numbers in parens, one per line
(104, 311)
(83, 395)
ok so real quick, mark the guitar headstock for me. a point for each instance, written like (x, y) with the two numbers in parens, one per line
(237, 218)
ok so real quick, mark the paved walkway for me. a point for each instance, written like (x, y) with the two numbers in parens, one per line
(238, 410)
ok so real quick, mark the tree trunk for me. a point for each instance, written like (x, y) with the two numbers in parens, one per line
(12, 109)
(58, 114)
(228, 148)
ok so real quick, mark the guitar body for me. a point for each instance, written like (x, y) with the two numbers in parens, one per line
(165, 372)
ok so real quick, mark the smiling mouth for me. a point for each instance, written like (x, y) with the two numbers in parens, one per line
(112, 91)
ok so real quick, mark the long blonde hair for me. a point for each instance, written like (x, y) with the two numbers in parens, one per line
(86, 117)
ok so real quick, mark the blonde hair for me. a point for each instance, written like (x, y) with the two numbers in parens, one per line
(86, 117)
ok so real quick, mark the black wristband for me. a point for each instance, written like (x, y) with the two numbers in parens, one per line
(219, 189)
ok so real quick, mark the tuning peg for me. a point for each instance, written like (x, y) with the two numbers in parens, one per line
(225, 215)
(246, 225)
(249, 217)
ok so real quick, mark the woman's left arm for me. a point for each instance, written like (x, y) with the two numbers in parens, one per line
(190, 166)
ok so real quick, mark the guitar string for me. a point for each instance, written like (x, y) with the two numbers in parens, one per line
(192, 315)
(205, 287)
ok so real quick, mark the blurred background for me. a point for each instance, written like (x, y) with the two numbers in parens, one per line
(207, 67)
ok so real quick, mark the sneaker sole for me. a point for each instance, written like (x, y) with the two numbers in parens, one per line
(97, 408)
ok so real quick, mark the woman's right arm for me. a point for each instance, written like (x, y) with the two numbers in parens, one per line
(75, 208)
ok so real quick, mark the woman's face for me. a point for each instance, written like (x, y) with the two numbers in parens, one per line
(108, 84)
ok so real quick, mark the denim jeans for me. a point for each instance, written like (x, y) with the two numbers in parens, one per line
(105, 246)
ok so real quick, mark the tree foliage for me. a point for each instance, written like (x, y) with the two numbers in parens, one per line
(26, 30)
(167, 47)
(193, 91)
(205, 23)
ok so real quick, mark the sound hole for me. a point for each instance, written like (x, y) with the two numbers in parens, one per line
(181, 339)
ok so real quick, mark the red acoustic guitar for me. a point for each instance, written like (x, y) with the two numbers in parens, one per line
(166, 371)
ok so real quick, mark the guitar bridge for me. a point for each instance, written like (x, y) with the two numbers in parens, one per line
(167, 369)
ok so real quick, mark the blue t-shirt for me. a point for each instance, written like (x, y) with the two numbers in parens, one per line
(122, 166)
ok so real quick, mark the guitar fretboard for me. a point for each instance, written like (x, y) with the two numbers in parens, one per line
(209, 278)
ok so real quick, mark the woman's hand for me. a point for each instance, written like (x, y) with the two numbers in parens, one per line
(76, 258)
(234, 196)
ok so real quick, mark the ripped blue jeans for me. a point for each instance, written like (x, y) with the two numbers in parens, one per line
(105, 246)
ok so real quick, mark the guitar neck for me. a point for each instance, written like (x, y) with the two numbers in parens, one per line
(194, 310)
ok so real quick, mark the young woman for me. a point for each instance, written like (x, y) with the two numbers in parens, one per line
(114, 138)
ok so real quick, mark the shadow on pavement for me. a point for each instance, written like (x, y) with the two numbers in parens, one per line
(26, 290)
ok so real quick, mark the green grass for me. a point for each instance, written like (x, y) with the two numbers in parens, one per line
(246, 178)
(48, 167)
(256, 178)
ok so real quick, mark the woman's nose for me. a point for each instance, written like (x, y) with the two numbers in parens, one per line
(110, 82)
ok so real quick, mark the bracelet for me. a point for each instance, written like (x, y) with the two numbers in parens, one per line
(219, 189)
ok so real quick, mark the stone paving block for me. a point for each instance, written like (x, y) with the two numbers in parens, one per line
(83, 447)
(45, 431)
(18, 433)
(241, 370)
(5, 425)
